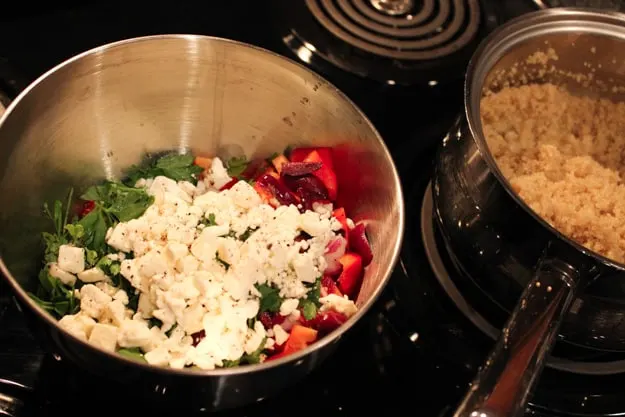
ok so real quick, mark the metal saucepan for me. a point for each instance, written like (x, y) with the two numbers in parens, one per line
(522, 263)
(99, 112)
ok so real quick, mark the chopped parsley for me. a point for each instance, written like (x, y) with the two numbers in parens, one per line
(270, 299)
(114, 202)
(174, 166)
(236, 166)
(311, 304)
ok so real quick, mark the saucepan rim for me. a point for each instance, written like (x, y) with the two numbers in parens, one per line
(501, 41)
(245, 369)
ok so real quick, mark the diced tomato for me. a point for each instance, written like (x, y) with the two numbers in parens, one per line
(203, 162)
(229, 185)
(272, 172)
(351, 277)
(300, 337)
(329, 286)
(325, 153)
(339, 214)
(325, 174)
(87, 207)
(278, 161)
(265, 194)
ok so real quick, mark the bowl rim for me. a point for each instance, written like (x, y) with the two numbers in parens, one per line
(503, 40)
(244, 369)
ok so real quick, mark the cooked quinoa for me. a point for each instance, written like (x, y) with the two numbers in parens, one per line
(563, 155)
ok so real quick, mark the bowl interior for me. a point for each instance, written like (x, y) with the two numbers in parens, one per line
(98, 113)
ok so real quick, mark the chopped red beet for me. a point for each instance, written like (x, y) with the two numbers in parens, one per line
(300, 168)
(279, 191)
(270, 319)
(197, 337)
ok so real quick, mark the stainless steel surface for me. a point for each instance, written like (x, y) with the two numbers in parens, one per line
(393, 7)
(574, 48)
(502, 386)
(442, 272)
(437, 29)
(99, 112)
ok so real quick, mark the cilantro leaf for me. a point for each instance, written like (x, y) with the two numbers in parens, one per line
(309, 309)
(311, 303)
(270, 299)
(178, 167)
(54, 296)
(174, 166)
(209, 220)
(95, 226)
(116, 199)
(236, 166)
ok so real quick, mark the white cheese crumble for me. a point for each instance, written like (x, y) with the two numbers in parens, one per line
(197, 255)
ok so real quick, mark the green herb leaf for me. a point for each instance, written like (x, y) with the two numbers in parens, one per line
(52, 243)
(115, 199)
(254, 357)
(246, 235)
(309, 309)
(270, 299)
(223, 263)
(230, 364)
(154, 322)
(132, 353)
(178, 167)
(54, 296)
(236, 166)
(310, 305)
(95, 226)
(247, 358)
(174, 166)
(209, 220)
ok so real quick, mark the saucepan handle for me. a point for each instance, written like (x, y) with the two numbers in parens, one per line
(504, 382)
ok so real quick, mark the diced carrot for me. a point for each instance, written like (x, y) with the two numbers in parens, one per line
(203, 162)
(272, 172)
(351, 277)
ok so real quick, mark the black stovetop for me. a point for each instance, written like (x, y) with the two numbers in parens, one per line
(414, 352)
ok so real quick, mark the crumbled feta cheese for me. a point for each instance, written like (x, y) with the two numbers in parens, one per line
(92, 275)
(217, 175)
(279, 334)
(288, 306)
(341, 304)
(79, 325)
(197, 256)
(71, 259)
(104, 336)
(64, 276)
(93, 300)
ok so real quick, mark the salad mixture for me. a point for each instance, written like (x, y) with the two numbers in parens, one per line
(190, 262)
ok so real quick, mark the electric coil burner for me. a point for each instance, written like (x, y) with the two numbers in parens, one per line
(392, 41)
(608, 5)
(402, 62)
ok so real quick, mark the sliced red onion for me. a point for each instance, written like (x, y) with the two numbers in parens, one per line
(359, 243)
(336, 248)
